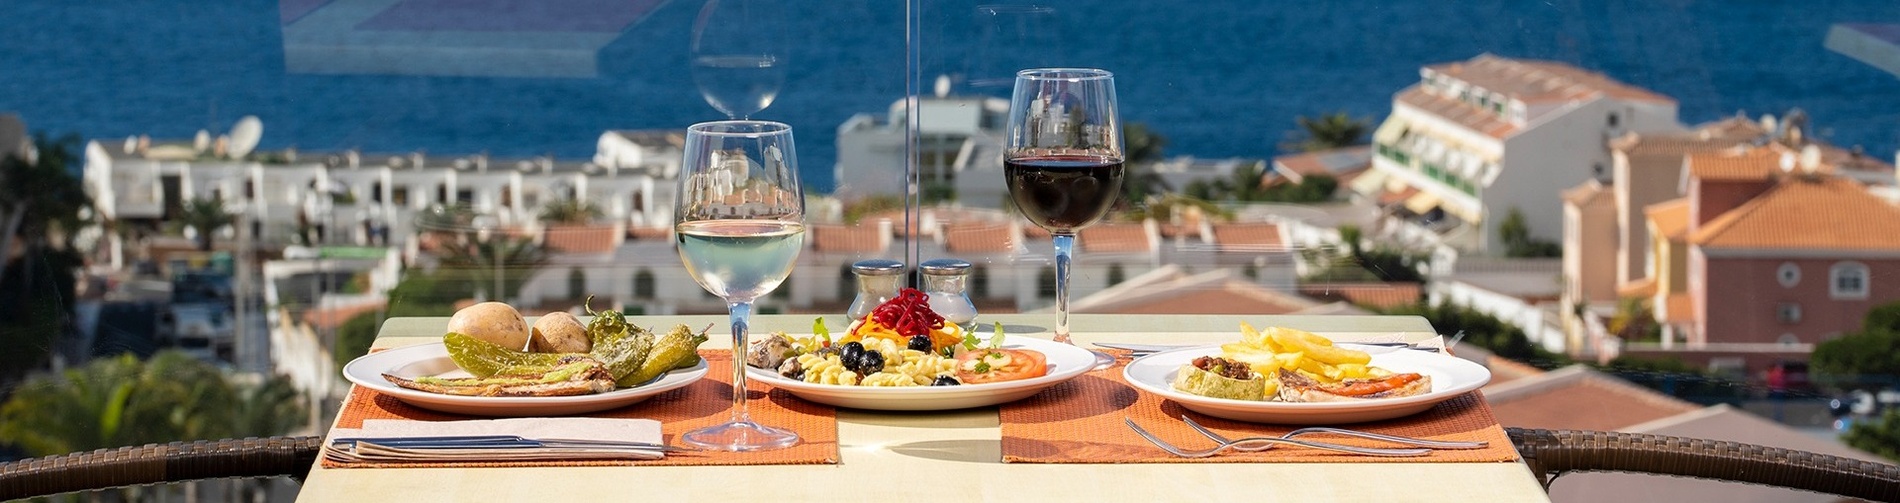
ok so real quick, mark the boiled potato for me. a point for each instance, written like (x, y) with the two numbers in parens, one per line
(559, 333)
(494, 322)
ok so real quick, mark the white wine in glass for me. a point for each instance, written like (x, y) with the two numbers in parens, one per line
(739, 226)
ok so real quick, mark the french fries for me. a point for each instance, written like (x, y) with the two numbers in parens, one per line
(1278, 348)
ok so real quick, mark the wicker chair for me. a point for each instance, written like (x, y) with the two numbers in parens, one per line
(1551, 453)
(155, 463)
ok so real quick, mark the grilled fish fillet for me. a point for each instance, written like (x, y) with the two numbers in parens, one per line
(574, 376)
(1295, 387)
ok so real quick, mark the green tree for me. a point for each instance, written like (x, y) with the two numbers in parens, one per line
(1880, 436)
(570, 211)
(1329, 132)
(1868, 359)
(120, 401)
(205, 217)
(41, 208)
(355, 335)
(1144, 148)
(1516, 236)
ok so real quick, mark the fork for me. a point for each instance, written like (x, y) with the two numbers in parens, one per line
(1420, 442)
(1269, 442)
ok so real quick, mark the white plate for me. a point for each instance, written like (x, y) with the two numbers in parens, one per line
(1065, 362)
(1451, 376)
(433, 360)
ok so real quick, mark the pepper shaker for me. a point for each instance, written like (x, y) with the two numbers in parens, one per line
(878, 281)
(944, 280)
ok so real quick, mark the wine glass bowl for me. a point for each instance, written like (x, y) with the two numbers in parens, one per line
(739, 227)
(738, 55)
(1062, 161)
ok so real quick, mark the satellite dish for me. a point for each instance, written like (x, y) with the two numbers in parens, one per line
(1810, 159)
(943, 86)
(131, 144)
(202, 141)
(244, 136)
(1768, 123)
(1787, 162)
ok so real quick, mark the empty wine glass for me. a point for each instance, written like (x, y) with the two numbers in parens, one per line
(1063, 161)
(739, 226)
(738, 55)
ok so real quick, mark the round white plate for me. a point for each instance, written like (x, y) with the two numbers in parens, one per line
(1065, 363)
(1451, 376)
(433, 360)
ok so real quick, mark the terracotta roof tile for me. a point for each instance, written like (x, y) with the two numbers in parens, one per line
(1581, 399)
(1389, 198)
(1378, 295)
(1116, 238)
(580, 239)
(1671, 218)
(1534, 80)
(1582, 195)
(1807, 212)
(1735, 164)
(1464, 114)
(649, 233)
(980, 237)
(1247, 237)
(860, 238)
(327, 318)
(1325, 162)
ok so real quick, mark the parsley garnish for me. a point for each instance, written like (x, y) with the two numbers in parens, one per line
(982, 367)
(996, 339)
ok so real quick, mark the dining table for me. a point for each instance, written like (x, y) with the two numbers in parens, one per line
(955, 456)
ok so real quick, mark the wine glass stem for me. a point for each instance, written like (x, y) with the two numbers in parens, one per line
(741, 311)
(1065, 242)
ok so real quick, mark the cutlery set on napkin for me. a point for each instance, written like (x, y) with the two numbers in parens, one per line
(517, 439)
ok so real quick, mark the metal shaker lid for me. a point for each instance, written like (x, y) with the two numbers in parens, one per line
(945, 266)
(878, 267)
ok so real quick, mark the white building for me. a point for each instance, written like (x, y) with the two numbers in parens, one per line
(960, 144)
(355, 198)
(1475, 139)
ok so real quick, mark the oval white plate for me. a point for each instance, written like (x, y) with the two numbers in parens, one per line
(1065, 363)
(1451, 376)
(433, 360)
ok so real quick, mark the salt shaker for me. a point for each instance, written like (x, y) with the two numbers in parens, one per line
(878, 281)
(944, 280)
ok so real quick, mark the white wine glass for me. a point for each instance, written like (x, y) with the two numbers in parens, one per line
(739, 227)
(739, 54)
(1062, 162)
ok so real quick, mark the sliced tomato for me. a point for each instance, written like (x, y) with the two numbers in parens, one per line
(999, 365)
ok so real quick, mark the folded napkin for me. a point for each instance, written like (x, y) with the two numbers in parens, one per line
(565, 438)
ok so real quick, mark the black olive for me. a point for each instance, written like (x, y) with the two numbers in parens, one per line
(852, 354)
(920, 343)
(945, 381)
(871, 363)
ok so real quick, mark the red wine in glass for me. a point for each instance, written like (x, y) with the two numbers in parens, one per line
(1064, 193)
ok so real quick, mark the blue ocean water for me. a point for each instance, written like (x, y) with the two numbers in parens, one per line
(1218, 78)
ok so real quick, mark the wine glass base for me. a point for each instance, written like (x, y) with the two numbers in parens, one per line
(739, 437)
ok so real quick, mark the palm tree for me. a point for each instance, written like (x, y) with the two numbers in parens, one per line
(1331, 131)
(570, 211)
(205, 216)
(1144, 149)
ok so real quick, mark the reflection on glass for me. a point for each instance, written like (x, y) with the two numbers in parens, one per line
(738, 55)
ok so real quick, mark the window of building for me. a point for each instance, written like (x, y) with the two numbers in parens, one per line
(643, 284)
(1788, 275)
(1788, 313)
(847, 283)
(576, 284)
(1612, 120)
(979, 282)
(1116, 274)
(1788, 340)
(400, 196)
(376, 192)
(1046, 283)
(1848, 280)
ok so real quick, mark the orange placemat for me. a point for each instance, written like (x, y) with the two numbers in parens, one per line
(704, 403)
(1080, 421)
